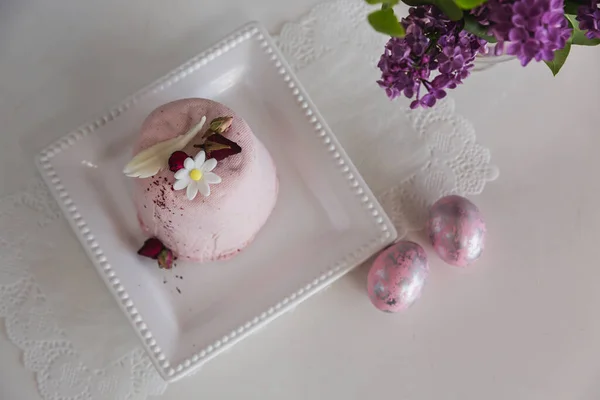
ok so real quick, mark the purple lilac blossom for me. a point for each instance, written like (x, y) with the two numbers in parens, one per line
(588, 16)
(433, 43)
(528, 29)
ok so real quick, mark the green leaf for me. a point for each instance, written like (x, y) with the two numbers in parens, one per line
(578, 37)
(388, 2)
(571, 7)
(560, 56)
(414, 3)
(449, 8)
(385, 21)
(469, 4)
(471, 25)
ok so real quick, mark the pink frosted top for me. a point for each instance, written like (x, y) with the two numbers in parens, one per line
(220, 225)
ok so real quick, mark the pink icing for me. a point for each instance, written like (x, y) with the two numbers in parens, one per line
(397, 276)
(219, 226)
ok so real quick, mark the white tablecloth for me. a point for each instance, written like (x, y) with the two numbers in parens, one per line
(521, 323)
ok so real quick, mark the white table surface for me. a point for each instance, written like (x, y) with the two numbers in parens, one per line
(520, 324)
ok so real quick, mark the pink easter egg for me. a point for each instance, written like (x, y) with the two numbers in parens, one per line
(397, 276)
(456, 230)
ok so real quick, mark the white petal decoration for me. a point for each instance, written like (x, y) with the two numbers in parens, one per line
(181, 173)
(145, 169)
(146, 156)
(189, 164)
(209, 165)
(147, 173)
(151, 160)
(200, 157)
(203, 187)
(212, 178)
(192, 190)
(181, 184)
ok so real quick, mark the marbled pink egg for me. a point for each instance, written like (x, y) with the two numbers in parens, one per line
(397, 276)
(456, 230)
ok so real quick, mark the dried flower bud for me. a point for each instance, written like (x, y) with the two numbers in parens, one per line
(151, 248)
(219, 147)
(165, 259)
(220, 124)
(176, 160)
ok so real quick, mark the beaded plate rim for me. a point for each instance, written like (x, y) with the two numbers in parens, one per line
(250, 31)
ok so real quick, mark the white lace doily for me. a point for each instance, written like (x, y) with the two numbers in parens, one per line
(409, 158)
(57, 310)
(65, 344)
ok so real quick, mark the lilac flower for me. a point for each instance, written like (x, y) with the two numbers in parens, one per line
(433, 43)
(589, 19)
(481, 14)
(531, 29)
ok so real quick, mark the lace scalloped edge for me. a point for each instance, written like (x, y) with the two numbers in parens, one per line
(58, 369)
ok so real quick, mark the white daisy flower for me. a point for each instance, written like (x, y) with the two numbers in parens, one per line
(196, 176)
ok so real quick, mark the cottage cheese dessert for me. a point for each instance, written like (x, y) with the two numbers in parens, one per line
(214, 188)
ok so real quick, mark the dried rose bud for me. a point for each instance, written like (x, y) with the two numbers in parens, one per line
(151, 248)
(220, 124)
(176, 160)
(219, 147)
(165, 259)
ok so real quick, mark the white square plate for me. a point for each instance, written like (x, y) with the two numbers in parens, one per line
(326, 220)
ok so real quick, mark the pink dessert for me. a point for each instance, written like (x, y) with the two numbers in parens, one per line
(217, 226)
